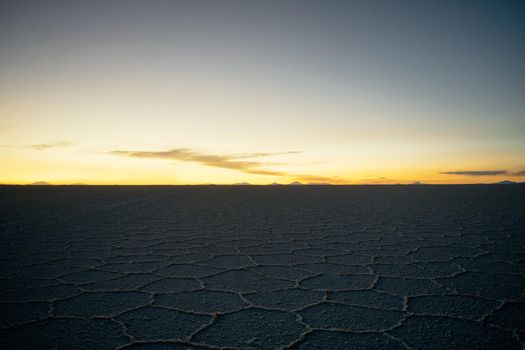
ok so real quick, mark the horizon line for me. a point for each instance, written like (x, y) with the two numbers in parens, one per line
(269, 185)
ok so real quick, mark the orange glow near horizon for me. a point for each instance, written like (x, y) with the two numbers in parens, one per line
(42, 142)
(68, 166)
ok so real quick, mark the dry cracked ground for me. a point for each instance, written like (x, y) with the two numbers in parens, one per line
(313, 267)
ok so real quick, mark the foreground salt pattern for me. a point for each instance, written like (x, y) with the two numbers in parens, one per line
(262, 267)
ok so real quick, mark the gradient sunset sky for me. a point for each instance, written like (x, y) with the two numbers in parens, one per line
(191, 92)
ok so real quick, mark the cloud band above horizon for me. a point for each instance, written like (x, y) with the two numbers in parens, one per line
(476, 172)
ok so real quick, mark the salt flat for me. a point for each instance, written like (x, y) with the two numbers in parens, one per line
(262, 267)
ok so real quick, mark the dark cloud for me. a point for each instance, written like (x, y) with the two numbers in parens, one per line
(243, 162)
(44, 146)
(518, 173)
(231, 161)
(476, 172)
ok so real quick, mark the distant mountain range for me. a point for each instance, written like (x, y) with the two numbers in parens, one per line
(44, 183)
(295, 183)
(40, 183)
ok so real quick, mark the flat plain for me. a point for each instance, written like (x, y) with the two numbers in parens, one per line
(262, 267)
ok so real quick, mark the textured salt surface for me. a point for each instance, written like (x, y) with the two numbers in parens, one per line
(397, 267)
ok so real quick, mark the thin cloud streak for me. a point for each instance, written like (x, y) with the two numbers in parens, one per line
(44, 146)
(233, 162)
(261, 154)
(312, 179)
(227, 161)
(519, 173)
(476, 172)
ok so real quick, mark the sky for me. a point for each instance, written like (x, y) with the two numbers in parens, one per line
(220, 91)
